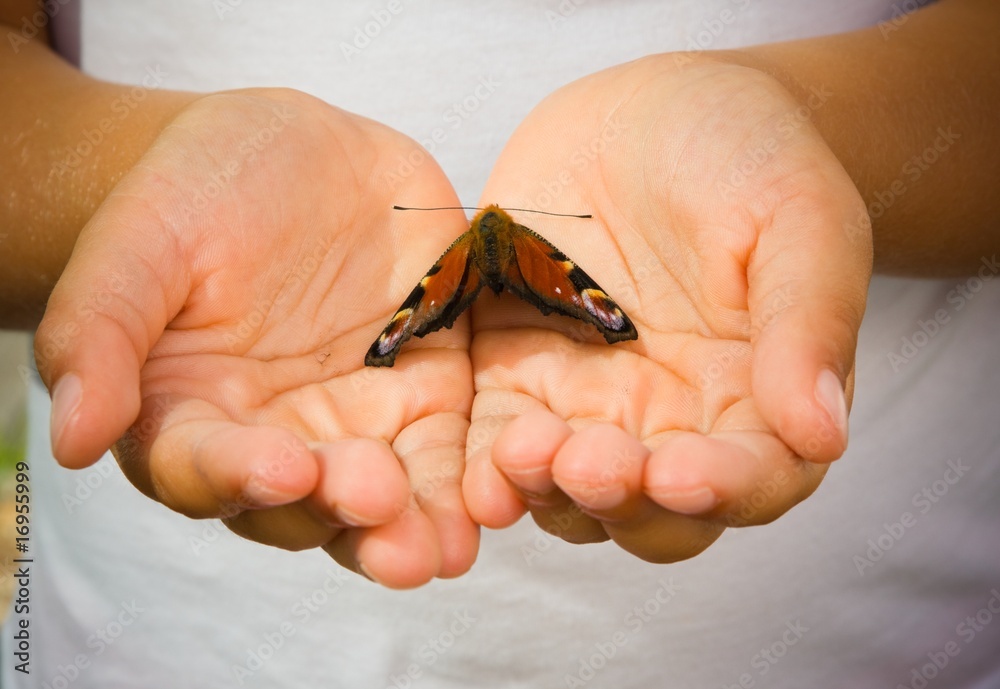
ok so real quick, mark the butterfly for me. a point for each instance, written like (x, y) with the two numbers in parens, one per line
(498, 253)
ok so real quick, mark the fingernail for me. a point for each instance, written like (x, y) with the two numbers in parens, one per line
(349, 518)
(830, 394)
(262, 493)
(363, 571)
(535, 481)
(66, 396)
(690, 502)
(602, 497)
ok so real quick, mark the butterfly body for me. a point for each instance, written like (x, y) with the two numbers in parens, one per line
(498, 253)
(490, 253)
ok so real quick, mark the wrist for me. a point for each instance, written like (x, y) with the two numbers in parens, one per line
(905, 118)
(79, 136)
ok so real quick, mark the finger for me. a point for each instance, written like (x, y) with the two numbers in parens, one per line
(738, 478)
(601, 468)
(401, 554)
(519, 374)
(525, 448)
(290, 527)
(523, 453)
(490, 498)
(193, 459)
(360, 483)
(111, 304)
(432, 451)
(808, 285)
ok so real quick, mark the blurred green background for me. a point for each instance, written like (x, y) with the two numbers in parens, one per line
(14, 348)
(15, 361)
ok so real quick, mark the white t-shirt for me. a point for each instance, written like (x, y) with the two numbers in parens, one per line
(888, 576)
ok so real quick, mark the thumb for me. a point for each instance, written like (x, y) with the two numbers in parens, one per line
(108, 308)
(808, 287)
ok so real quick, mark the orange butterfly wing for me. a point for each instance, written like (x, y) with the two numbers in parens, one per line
(436, 302)
(544, 276)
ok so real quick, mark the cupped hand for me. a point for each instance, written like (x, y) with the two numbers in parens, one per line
(733, 238)
(212, 325)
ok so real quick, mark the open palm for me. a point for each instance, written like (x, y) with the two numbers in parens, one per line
(219, 305)
(735, 241)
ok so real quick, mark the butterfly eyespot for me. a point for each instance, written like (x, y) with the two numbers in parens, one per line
(597, 303)
(388, 341)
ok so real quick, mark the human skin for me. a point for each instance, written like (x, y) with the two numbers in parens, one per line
(784, 293)
(731, 214)
(214, 335)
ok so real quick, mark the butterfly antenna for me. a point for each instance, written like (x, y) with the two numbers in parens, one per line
(474, 208)
(561, 215)
(437, 208)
